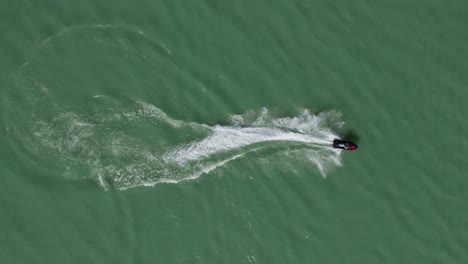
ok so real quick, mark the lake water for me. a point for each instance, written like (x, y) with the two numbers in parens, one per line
(200, 132)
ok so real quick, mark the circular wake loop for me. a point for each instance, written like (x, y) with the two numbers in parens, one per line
(124, 143)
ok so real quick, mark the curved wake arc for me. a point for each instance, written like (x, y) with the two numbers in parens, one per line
(80, 128)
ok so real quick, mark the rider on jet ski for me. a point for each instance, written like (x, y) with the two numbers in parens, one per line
(342, 144)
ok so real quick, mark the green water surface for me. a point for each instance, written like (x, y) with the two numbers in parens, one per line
(396, 70)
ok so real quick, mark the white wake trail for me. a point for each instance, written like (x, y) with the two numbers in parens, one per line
(253, 128)
(225, 138)
(123, 143)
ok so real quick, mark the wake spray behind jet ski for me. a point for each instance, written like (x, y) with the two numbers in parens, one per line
(343, 144)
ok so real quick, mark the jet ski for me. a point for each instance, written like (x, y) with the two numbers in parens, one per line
(343, 144)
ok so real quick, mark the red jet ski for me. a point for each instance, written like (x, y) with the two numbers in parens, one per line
(343, 144)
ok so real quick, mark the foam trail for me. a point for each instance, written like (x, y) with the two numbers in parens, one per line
(225, 138)
(123, 143)
(203, 170)
(252, 129)
(120, 159)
